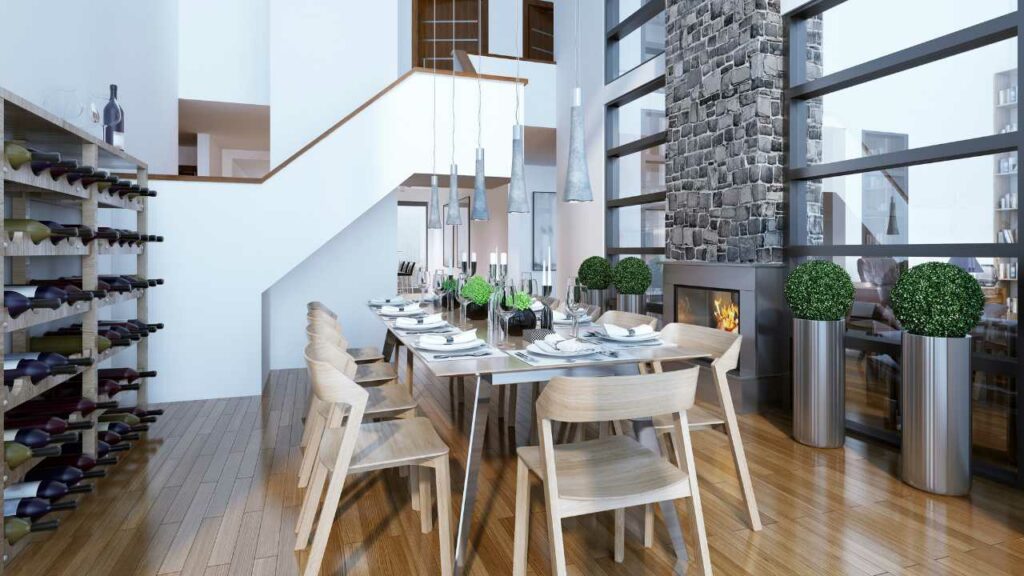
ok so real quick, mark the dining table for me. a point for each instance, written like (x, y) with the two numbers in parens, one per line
(513, 365)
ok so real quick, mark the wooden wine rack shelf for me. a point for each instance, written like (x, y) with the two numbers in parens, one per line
(22, 190)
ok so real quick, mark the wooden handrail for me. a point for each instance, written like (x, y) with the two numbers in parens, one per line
(332, 129)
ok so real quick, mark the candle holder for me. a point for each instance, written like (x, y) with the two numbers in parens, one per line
(504, 270)
(472, 268)
(493, 273)
(464, 267)
(546, 290)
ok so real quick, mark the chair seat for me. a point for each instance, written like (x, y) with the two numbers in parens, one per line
(697, 416)
(365, 354)
(375, 372)
(386, 444)
(383, 401)
(609, 468)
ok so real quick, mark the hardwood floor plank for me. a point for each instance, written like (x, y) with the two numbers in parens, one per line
(187, 529)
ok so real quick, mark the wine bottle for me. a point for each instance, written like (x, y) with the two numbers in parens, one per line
(78, 174)
(34, 507)
(36, 438)
(17, 155)
(34, 370)
(35, 489)
(36, 230)
(118, 284)
(113, 120)
(51, 424)
(68, 343)
(61, 406)
(140, 412)
(16, 454)
(17, 303)
(112, 438)
(75, 230)
(39, 292)
(71, 285)
(102, 448)
(68, 475)
(50, 358)
(122, 279)
(17, 528)
(83, 462)
(73, 173)
(125, 374)
(125, 418)
(117, 337)
(142, 192)
(121, 326)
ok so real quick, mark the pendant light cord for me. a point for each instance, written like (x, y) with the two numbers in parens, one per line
(576, 43)
(479, 71)
(453, 82)
(518, 14)
(433, 76)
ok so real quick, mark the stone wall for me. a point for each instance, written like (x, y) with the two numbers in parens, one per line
(724, 172)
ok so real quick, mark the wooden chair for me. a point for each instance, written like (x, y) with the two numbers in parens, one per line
(627, 319)
(363, 354)
(385, 401)
(725, 351)
(368, 372)
(610, 473)
(348, 444)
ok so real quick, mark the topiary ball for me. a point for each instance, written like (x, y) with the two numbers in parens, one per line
(631, 276)
(819, 290)
(937, 299)
(595, 273)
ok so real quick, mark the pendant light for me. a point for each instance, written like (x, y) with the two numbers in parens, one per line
(454, 216)
(517, 200)
(434, 209)
(480, 211)
(893, 228)
(577, 177)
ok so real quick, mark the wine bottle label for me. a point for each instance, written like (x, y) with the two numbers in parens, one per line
(10, 435)
(21, 490)
(11, 507)
(119, 140)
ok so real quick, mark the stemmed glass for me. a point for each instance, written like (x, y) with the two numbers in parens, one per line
(528, 284)
(506, 309)
(574, 302)
(422, 282)
(438, 288)
(463, 300)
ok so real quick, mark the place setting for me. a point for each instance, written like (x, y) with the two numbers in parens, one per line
(555, 349)
(618, 337)
(454, 345)
(423, 324)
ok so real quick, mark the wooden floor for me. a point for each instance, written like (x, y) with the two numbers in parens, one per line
(213, 491)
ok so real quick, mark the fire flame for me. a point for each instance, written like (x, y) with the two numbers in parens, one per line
(727, 316)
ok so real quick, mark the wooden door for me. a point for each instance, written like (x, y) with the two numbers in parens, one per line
(432, 39)
(539, 32)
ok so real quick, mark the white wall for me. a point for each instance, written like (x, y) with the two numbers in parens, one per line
(276, 225)
(46, 61)
(501, 27)
(340, 275)
(224, 52)
(326, 58)
(539, 90)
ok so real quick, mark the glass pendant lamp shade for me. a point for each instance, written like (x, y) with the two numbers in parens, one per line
(893, 227)
(454, 216)
(480, 211)
(434, 210)
(577, 177)
(517, 200)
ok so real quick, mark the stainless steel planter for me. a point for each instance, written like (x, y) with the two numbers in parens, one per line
(631, 303)
(596, 297)
(819, 383)
(935, 452)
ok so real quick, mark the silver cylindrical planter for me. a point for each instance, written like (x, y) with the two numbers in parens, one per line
(631, 303)
(935, 453)
(596, 297)
(819, 382)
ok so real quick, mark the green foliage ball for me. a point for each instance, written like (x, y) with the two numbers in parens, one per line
(595, 273)
(938, 299)
(477, 290)
(631, 276)
(819, 290)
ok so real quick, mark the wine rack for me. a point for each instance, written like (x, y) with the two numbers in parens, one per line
(22, 191)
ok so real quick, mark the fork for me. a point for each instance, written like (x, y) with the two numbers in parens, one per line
(467, 355)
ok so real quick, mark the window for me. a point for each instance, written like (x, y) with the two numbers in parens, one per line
(903, 148)
(636, 33)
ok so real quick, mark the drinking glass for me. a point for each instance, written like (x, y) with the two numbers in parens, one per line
(506, 310)
(422, 282)
(574, 295)
(463, 300)
(528, 284)
(438, 288)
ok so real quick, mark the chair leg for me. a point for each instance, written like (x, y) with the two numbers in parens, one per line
(513, 405)
(408, 368)
(309, 505)
(323, 527)
(522, 533)
(555, 540)
(307, 425)
(620, 535)
(444, 513)
(315, 424)
(648, 525)
(647, 436)
(739, 457)
(426, 510)
(684, 453)
(534, 395)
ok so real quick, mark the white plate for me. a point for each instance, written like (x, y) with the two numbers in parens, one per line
(451, 347)
(385, 302)
(568, 321)
(546, 351)
(640, 338)
(421, 327)
(413, 311)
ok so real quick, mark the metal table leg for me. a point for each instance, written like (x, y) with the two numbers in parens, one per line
(478, 427)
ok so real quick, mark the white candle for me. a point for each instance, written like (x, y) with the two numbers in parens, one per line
(464, 256)
(494, 259)
(472, 257)
(547, 268)
(504, 258)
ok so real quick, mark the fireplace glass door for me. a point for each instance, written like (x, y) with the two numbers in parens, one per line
(712, 307)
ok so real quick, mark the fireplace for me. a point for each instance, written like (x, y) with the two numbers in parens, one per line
(711, 307)
(742, 298)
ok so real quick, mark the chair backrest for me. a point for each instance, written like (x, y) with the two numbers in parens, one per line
(345, 398)
(328, 331)
(627, 319)
(723, 346)
(590, 399)
(330, 384)
(316, 305)
(327, 350)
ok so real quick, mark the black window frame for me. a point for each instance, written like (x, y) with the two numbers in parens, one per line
(614, 33)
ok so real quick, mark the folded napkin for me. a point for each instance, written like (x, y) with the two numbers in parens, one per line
(421, 321)
(619, 332)
(440, 339)
(562, 344)
(537, 305)
(398, 309)
(393, 300)
(560, 316)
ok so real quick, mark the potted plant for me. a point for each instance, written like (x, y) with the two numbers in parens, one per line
(596, 274)
(820, 293)
(448, 288)
(938, 305)
(631, 278)
(478, 293)
(523, 318)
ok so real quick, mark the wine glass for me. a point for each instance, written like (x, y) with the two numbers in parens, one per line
(574, 302)
(528, 284)
(463, 299)
(438, 288)
(422, 282)
(506, 309)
